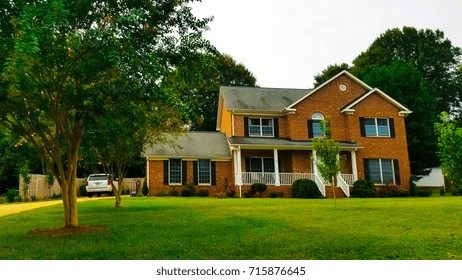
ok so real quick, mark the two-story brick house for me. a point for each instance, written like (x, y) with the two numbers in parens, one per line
(265, 135)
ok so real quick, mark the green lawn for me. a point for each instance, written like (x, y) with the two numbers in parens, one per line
(208, 228)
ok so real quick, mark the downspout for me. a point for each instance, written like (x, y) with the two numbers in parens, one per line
(232, 122)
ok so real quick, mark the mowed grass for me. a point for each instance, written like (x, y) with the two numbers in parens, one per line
(208, 228)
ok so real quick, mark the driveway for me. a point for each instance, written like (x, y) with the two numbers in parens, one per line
(14, 208)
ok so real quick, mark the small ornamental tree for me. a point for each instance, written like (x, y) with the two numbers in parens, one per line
(327, 152)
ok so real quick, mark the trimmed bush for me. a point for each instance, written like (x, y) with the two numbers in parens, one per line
(203, 192)
(276, 194)
(11, 194)
(304, 188)
(392, 191)
(257, 189)
(363, 188)
(83, 190)
(145, 189)
(424, 193)
(188, 190)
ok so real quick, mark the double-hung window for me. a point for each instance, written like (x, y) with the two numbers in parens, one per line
(174, 171)
(262, 165)
(377, 127)
(204, 172)
(382, 171)
(261, 127)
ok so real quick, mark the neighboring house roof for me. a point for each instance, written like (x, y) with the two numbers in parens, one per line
(280, 143)
(192, 145)
(260, 99)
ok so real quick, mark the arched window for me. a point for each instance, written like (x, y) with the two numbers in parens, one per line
(314, 125)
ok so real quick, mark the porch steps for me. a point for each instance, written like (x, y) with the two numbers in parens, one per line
(338, 192)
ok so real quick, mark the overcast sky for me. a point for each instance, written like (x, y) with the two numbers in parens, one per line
(284, 43)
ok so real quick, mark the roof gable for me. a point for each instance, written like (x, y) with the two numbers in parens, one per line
(350, 107)
(344, 72)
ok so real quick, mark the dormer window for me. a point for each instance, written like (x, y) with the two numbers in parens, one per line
(261, 127)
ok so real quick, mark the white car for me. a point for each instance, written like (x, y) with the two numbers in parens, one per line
(99, 184)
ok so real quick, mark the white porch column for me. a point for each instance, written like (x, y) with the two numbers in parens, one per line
(239, 170)
(147, 172)
(354, 166)
(276, 168)
(315, 166)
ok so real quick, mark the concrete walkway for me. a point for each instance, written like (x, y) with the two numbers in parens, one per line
(14, 208)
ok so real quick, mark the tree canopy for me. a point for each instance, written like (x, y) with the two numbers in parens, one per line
(421, 70)
(450, 153)
(65, 62)
(199, 80)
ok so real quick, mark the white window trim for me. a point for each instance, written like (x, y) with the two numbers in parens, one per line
(377, 128)
(262, 164)
(169, 174)
(381, 171)
(210, 174)
(318, 117)
(261, 127)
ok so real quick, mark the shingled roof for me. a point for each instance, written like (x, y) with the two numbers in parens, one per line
(260, 99)
(192, 145)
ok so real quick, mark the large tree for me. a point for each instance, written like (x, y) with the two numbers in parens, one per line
(64, 59)
(420, 69)
(199, 80)
(117, 139)
(450, 152)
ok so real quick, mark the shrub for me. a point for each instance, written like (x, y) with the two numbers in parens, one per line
(188, 190)
(258, 189)
(248, 194)
(413, 189)
(11, 194)
(392, 191)
(363, 189)
(456, 191)
(442, 192)
(174, 191)
(304, 188)
(145, 189)
(83, 190)
(424, 193)
(203, 192)
(56, 196)
(221, 195)
(276, 194)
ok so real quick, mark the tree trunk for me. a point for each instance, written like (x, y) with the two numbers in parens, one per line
(333, 190)
(118, 193)
(69, 195)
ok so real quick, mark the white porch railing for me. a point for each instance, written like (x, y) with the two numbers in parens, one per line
(343, 185)
(285, 179)
(321, 186)
(348, 178)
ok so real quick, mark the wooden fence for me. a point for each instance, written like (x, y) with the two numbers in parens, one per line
(39, 187)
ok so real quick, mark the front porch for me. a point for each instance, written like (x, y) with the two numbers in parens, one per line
(344, 181)
(259, 161)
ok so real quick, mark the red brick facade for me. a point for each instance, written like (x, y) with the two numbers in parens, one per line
(345, 100)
